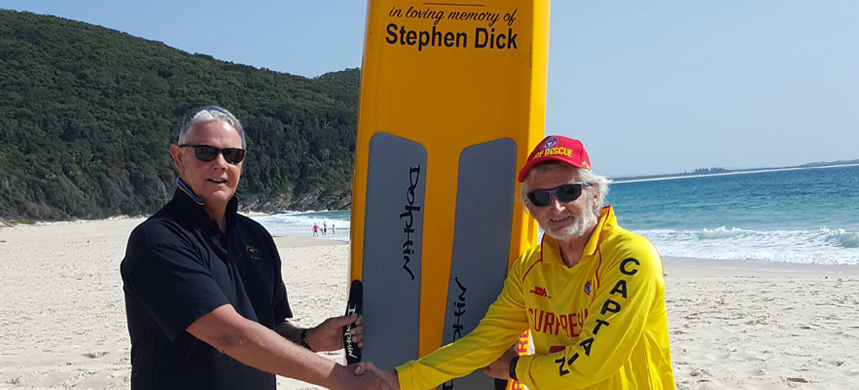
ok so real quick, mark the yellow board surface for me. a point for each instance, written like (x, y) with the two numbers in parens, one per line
(449, 75)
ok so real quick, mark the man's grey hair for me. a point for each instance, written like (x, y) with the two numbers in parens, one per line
(206, 114)
(599, 184)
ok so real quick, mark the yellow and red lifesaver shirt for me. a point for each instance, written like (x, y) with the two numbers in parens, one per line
(600, 324)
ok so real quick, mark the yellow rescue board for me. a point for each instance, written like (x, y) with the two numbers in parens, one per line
(452, 99)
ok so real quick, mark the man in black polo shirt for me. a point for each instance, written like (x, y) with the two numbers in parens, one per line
(205, 301)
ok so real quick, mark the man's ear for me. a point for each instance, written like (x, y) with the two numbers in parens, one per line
(176, 153)
(595, 198)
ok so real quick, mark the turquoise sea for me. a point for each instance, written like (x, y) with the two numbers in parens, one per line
(799, 216)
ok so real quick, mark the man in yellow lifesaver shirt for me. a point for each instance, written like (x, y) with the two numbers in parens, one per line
(591, 293)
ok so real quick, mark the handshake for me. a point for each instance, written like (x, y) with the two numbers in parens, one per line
(366, 376)
(347, 333)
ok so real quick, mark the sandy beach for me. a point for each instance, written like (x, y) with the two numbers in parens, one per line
(733, 325)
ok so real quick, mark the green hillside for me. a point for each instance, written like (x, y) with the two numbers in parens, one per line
(87, 115)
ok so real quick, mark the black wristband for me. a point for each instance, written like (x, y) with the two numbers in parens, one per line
(513, 363)
(303, 340)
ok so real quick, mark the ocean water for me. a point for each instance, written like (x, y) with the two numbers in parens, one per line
(800, 216)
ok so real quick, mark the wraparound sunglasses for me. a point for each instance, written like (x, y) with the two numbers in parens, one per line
(564, 193)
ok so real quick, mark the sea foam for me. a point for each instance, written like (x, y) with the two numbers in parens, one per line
(818, 246)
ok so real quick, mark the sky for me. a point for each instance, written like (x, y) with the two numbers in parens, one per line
(649, 87)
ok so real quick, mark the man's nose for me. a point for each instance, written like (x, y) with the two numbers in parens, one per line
(555, 204)
(220, 162)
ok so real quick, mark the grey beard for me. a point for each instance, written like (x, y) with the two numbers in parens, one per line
(581, 222)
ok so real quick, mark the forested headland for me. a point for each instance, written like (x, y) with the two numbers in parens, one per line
(87, 115)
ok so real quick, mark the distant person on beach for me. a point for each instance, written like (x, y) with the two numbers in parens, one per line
(324, 228)
(315, 229)
(333, 229)
(591, 293)
(205, 301)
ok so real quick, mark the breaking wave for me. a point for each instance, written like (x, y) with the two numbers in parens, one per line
(818, 246)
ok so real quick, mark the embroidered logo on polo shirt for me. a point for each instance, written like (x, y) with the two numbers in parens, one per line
(588, 288)
(253, 252)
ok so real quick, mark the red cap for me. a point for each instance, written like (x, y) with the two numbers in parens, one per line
(556, 147)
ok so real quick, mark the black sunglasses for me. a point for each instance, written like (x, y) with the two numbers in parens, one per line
(564, 193)
(209, 153)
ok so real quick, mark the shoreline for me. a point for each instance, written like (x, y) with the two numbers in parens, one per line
(685, 265)
(300, 242)
(678, 263)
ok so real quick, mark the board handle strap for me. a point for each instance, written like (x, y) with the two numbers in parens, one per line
(354, 306)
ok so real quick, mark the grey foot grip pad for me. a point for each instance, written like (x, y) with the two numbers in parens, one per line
(481, 243)
(393, 232)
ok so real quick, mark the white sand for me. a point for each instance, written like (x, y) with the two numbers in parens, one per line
(751, 329)
(744, 325)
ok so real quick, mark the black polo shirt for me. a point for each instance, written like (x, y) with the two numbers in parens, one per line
(178, 267)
